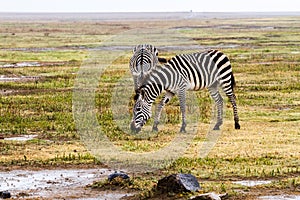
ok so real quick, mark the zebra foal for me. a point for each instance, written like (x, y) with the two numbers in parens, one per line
(184, 72)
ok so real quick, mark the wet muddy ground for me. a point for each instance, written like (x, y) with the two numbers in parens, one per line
(73, 184)
(56, 184)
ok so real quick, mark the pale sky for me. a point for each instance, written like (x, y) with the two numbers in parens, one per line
(148, 5)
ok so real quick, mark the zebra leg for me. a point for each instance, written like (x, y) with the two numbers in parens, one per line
(215, 94)
(182, 101)
(167, 97)
(235, 112)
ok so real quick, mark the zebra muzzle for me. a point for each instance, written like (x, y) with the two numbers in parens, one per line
(134, 128)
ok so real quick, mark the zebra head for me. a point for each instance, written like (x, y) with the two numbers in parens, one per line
(141, 111)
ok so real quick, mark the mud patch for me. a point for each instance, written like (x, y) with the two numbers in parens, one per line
(56, 184)
(105, 196)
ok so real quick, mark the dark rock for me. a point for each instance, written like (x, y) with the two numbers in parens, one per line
(5, 195)
(189, 181)
(177, 183)
(117, 175)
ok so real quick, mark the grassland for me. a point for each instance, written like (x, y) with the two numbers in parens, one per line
(265, 55)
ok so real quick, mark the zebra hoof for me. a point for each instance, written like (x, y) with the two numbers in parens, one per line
(182, 130)
(134, 129)
(217, 127)
(154, 129)
(237, 126)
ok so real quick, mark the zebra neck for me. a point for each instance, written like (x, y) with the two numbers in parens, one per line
(152, 91)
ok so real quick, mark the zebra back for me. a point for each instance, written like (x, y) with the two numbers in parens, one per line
(203, 69)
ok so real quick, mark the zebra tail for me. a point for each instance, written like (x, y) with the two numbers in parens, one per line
(232, 81)
(233, 84)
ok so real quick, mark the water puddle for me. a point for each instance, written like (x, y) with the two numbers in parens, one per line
(22, 138)
(281, 197)
(19, 180)
(105, 48)
(251, 183)
(56, 184)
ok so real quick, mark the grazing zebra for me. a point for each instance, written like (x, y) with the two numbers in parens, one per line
(184, 72)
(144, 59)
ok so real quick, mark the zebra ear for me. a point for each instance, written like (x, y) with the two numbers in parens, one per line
(155, 50)
(134, 49)
(137, 47)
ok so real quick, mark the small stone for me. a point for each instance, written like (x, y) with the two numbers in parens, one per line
(117, 175)
(5, 195)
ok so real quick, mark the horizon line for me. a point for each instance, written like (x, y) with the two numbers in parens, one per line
(93, 12)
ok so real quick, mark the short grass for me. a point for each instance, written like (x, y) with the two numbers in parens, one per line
(265, 57)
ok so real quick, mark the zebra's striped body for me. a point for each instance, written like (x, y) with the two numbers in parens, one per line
(144, 59)
(184, 72)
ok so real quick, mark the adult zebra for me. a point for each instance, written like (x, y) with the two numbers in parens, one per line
(144, 59)
(195, 71)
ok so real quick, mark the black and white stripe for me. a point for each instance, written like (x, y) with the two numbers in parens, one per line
(210, 69)
(144, 59)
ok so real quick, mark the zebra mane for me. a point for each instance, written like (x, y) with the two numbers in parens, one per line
(138, 92)
(162, 60)
(136, 96)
